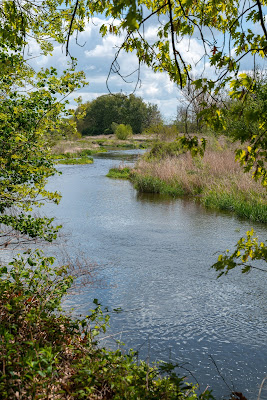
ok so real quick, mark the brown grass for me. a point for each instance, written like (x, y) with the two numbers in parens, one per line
(216, 168)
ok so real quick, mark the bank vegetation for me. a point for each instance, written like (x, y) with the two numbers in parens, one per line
(216, 180)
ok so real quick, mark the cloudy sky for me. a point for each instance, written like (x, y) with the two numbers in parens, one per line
(95, 54)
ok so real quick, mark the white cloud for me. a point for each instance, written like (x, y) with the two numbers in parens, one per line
(191, 51)
(106, 48)
(95, 55)
(151, 33)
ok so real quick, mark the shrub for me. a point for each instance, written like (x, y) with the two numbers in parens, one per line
(123, 132)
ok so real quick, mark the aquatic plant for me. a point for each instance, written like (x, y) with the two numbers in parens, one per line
(119, 173)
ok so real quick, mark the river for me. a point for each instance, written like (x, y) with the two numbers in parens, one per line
(153, 259)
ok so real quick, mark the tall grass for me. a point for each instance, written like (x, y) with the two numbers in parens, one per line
(216, 179)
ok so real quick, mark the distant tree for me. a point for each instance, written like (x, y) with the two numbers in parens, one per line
(102, 112)
(140, 115)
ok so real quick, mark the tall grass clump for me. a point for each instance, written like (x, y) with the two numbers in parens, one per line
(150, 184)
(216, 180)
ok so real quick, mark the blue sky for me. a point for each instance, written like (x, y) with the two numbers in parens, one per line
(95, 54)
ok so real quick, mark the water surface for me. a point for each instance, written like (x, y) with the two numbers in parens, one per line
(154, 255)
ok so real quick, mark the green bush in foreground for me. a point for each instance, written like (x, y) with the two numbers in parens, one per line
(44, 354)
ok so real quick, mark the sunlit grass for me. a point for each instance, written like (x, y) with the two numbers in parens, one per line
(216, 180)
(76, 161)
(119, 173)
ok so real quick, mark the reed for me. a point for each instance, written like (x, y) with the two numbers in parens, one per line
(216, 180)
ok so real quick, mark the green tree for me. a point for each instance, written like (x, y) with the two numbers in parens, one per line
(27, 115)
(107, 109)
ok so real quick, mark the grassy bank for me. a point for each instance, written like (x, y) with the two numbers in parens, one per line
(215, 180)
(75, 161)
(46, 354)
(102, 143)
(79, 157)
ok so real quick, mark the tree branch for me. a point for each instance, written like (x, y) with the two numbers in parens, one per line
(262, 18)
(71, 23)
(173, 46)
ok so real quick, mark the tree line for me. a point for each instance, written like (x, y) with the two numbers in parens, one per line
(100, 115)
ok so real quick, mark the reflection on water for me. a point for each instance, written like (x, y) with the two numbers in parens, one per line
(157, 254)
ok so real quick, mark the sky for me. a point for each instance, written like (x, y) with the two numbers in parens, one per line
(95, 54)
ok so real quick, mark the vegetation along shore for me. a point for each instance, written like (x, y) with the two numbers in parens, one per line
(215, 179)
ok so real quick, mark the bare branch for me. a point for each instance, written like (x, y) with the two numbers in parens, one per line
(262, 19)
(175, 52)
(70, 28)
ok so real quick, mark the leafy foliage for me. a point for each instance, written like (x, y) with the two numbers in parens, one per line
(31, 334)
(123, 132)
(26, 118)
(246, 121)
(247, 250)
(45, 353)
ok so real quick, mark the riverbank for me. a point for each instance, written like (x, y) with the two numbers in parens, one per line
(79, 151)
(46, 354)
(73, 158)
(216, 181)
(102, 143)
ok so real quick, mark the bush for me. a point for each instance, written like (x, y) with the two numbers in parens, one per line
(123, 132)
